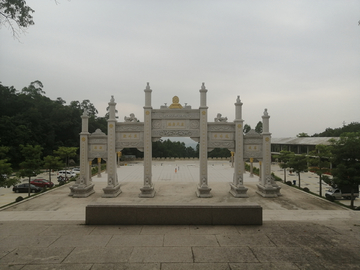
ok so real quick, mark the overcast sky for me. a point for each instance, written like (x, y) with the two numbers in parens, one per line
(298, 59)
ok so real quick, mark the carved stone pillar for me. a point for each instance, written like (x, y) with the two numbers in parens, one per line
(237, 188)
(203, 190)
(147, 191)
(266, 187)
(83, 186)
(113, 186)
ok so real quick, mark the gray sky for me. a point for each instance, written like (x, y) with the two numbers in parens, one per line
(298, 59)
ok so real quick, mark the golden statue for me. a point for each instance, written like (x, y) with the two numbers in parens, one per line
(175, 104)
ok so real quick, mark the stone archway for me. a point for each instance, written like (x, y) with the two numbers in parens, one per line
(179, 121)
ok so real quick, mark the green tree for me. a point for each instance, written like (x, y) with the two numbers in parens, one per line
(302, 134)
(284, 157)
(52, 163)
(34, 89)
(5, 169)
(5, 174)
(32, 164)
(337, 132)
(219, 152)
(15, 15)
(66, 153)
(298, 163)
(346, 161)
(320, 162)
(259, 127)
(246, 128)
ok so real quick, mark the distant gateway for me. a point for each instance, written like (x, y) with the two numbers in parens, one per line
(175, 121)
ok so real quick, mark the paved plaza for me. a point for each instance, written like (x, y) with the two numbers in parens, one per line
(299, 231)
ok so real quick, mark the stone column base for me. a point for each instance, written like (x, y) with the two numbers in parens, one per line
(277, 189)
(111, 192)
(238, 192)
(268, 191)
(81, 191)
(203, 192)
(147, 192)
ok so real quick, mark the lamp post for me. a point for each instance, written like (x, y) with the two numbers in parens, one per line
(118, 158)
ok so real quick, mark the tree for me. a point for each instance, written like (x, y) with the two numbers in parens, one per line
(15, 15)
(320, 162)
(302, 134)
(246, 128)
(298, 163)
(32, 164)
(6, 170)
(35, 88)
(66, 153)
(89, 107)
(219, 152)
(284, 158)
(259, 127)
(346, 161)
(52, 163)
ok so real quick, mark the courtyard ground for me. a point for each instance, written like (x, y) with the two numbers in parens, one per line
(300, 231)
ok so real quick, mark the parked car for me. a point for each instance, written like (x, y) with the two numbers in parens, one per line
(67, 174)
(42, 183)
(340, 193)
(76, 170)
(25, 188)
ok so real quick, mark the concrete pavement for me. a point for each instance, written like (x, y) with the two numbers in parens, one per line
(300, 231)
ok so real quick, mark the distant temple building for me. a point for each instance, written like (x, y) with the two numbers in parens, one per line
(298, 145)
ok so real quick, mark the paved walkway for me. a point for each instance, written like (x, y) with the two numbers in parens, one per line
(300, 231)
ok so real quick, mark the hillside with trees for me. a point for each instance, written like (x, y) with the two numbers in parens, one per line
(29, 117)
(336, 132)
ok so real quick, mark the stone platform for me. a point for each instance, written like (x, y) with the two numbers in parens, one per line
(180, 214)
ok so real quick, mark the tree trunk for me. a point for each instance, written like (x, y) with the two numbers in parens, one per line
(299, 179)
(50, 176)
(29, 187)
(320, 183)
(284, 175)
(352, 198)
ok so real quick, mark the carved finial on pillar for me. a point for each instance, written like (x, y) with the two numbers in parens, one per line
(203, 91)
(147, 96)
(85, 113)
(238, 108)
(265, 118)
(112, 99)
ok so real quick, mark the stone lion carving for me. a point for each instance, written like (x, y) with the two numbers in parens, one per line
(131, 118)
(219, 118)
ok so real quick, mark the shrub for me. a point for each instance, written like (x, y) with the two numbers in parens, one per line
(276, 177)
(330, 198)
(289, 183)
(306, 189)
(18, 199)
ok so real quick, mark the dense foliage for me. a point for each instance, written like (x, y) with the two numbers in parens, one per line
(337, 132)
(346, 158)
(15, 14)
(29, 117)
(168, 148)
